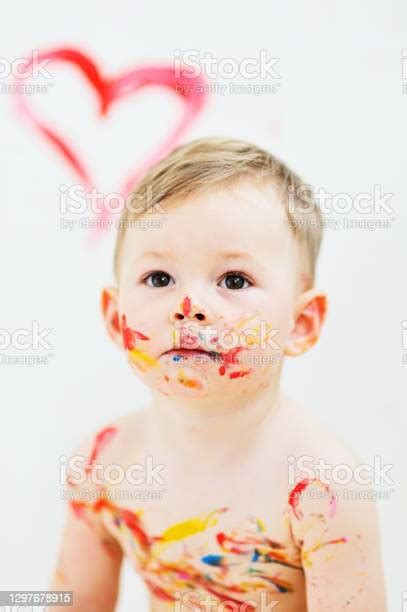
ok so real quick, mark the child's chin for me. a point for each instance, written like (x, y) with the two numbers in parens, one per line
(198, 381)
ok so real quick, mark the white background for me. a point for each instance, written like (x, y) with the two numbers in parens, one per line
(339, 119)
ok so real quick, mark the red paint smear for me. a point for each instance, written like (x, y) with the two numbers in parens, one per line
(294, 497)
(158, 592)
(108, 90)
(101, 503)
(229, 358)
(129, 517)
(105, 301)
(235, 546)
(186, 306)
(129, 335)
(102, 438)
(139, 335)
(239, 373)
(115, 321)
(295, 494)
(227, 599)
(78, 507)
(343, 540)
(133, 523)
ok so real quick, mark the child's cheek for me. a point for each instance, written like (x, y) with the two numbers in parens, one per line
(246, 348)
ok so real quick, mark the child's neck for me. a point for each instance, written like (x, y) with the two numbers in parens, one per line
(212, 428)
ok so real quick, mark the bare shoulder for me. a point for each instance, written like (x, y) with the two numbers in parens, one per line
(309, 436)
(114, 441)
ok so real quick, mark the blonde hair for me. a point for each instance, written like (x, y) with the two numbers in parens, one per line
(204, 162)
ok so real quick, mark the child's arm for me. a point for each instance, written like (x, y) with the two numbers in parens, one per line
(90, 558)
(87, 566)
(340, 548)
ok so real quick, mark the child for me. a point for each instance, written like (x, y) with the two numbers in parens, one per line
(208, 303)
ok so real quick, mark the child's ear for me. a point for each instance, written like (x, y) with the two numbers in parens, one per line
(310, 315)
(110, 311)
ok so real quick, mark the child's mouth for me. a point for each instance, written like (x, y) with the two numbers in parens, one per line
(193, 354)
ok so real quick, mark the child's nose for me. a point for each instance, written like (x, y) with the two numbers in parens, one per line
(188, 310)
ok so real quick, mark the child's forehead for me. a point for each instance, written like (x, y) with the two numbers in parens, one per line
(233, 213)
(232, 222)
(243, 198)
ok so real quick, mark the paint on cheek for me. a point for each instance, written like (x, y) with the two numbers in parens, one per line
(186, 306)
(228, 359)
(188, 382)
(239, 373)
(141, 358)
(130, 335)
(243, 322)
(128, 341)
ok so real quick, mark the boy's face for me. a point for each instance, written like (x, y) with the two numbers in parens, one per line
(209, 303)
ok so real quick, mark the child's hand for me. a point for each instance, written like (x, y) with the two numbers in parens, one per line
(90, 558)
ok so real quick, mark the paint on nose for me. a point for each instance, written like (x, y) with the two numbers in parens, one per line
(186, 306)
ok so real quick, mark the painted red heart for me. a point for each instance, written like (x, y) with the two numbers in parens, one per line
(109, 89)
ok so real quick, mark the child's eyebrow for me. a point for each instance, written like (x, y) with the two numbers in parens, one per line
(236, 255)
(156, 255)
(171, 255)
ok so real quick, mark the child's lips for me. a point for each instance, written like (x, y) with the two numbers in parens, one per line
(185, 353)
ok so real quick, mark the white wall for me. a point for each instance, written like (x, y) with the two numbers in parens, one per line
(339, 118)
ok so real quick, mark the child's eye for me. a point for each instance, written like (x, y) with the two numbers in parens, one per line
(158, 279)
(235, 280)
